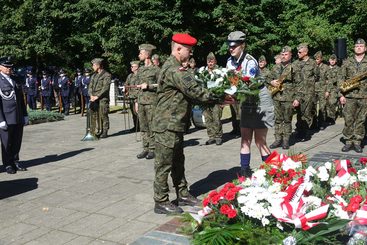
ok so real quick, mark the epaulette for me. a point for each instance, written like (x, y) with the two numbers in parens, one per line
(249, 57)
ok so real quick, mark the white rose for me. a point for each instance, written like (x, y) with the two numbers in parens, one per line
(328, 165)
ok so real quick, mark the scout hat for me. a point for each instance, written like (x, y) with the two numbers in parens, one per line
(44, 72)
(211, 56)
(262, 58)
(235, 38)
(147, 46)
(6, 62)
(97, 61)
(286, 49)
(185, 39)
(360, 41)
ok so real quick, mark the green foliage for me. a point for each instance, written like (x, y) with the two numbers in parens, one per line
(44, 116)
(69, 34)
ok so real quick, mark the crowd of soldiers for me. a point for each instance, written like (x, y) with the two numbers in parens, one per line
(57, 89)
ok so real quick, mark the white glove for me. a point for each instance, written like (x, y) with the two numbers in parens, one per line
(26, 120)
(3, 125)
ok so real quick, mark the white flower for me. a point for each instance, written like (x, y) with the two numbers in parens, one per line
(323, 173)
(328, 165)
(312, 200)
(362, 175)
(265, 221)
(279, 225)
(201, 69)
(290, 164)
(311, 171)
(339, 212)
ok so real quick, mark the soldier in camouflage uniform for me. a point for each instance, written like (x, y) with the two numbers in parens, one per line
(283, 99)
(176, 88)
(213, 113)
(264, 71)
(156, 61)
(320, 88)
(147, 95)
(354, 100)
(99, 91)
(306, 73)
(132, 93)
(331, 89)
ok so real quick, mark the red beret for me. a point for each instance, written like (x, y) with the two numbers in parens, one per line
(184, 38)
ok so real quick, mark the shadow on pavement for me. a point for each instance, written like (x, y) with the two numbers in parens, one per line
(214, 180)
(53, 158)
(191, 142)
(11, 188)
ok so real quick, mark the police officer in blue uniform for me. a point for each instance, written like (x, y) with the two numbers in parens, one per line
(13, 116)
(64, 85)
(46, 90)
(32, 88)
(84, 86)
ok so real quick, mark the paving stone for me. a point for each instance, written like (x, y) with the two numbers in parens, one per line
(53, 238)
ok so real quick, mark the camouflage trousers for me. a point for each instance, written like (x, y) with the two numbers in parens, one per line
(331, 106)
(320, 101)
(99, 116)
(145, 114)
(169, 157)
(213, 115)
(283, 111)
(305, 113)
(355, 111)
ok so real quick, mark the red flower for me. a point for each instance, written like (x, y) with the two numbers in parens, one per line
(356, 185)
(363, 160)
(246, 78)
(241, 179)
(225, 209)
(273, 171)
(212, 193)
(232, 213)
(206, 201)
(230, 195)
(215, 199)
(352, 170)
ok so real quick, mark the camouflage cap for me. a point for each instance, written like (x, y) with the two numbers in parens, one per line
(333, 57)
(317, 55)
(286, 49)
(210, 56)
(97, 61)
(147, 46)
(135, 62)
(262, 58)
(192, 60)
(302, 45)
(155, 57)
(360, 41)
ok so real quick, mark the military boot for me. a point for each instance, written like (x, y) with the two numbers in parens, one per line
(347, 147)
(277, 143)
(150, 155)
(188, 200)
(142, 154)
(104, 134)
(166, 208)
(358, 148)
(285, 144)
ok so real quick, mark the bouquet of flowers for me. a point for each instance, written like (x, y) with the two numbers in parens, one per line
(222, 81)
(286, 201)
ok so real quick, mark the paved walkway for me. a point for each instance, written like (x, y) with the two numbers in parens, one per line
(97, 192)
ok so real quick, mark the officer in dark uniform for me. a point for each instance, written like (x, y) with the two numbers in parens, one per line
(76, 89)
(32, 85)
(84, 87)
(13, 116)
(46, 90)
(64, 85)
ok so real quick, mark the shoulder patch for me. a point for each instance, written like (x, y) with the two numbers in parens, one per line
(253, 71)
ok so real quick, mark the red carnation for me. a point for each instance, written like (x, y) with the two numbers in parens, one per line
(215, 199)
(232, 213)
(225, 209)
(206, 202)
(230, 195)
(246, 78)
(352, 170)
(363, 160)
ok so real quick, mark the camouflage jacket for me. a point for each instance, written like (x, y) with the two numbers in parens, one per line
(306, 73)
(266, 74)
(350, 69)
(288, 85)
(176, 89)
(132, 79)
(100, 85)
(332, 75)
(148, 75)
(321, 83)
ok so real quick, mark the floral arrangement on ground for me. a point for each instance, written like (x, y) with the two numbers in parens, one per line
(287, 201)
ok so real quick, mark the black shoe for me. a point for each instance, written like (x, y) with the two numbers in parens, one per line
(358, 149)
(20, 167)
(210, 142)
(347, 148)
(11, 170)
(166, 208)
(188, 200)
(218, 141)
(142, 154)
(276, 144)
(246, 172)
(150, 155)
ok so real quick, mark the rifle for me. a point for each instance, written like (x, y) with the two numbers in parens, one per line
(273, 90)
(352, 83)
